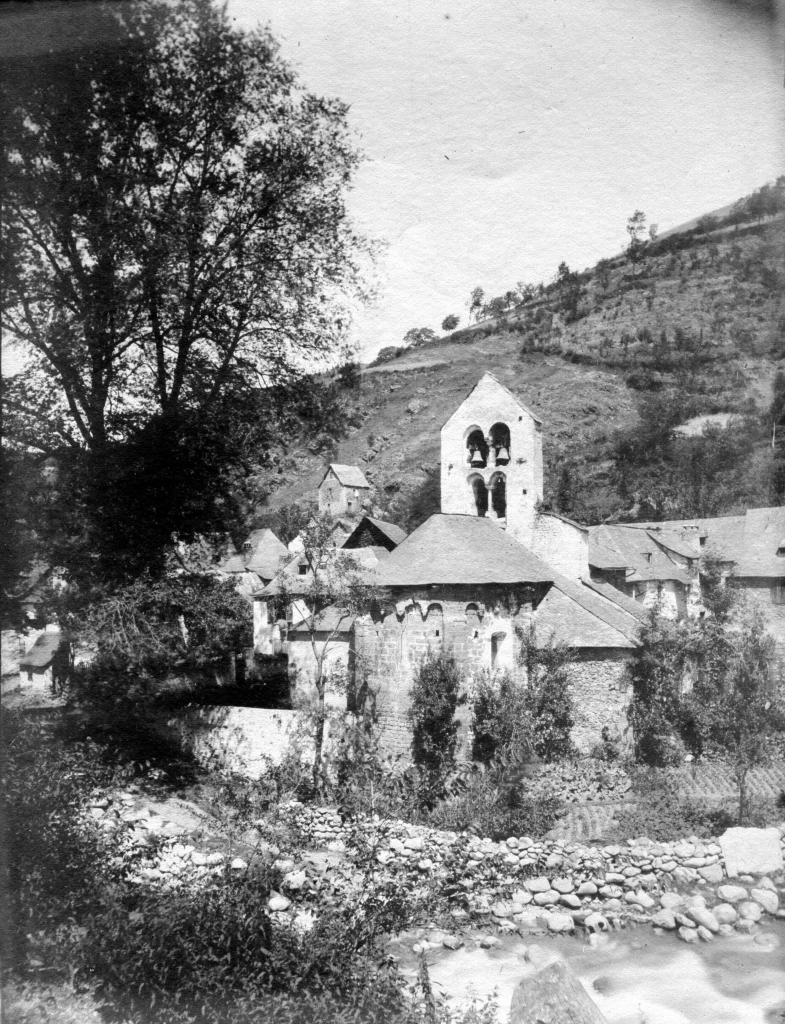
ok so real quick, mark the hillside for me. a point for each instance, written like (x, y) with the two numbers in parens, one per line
(615, 356)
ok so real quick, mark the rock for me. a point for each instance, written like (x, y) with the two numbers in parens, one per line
(670, 900)
(452, 942)
(562, 885)
(704, 933)
(713, 873)
(596, 922)
(414, 843)
(238, 864)
(665, 919)
(552, 995)
(750, 911)
(688, 934)
(754, 851)
(277, 903)
(543, 899)
(569, 899)
(294, 880)
(703, 918)
(745, 925)
(540, 884)
(521, 897)
(560, 922)
(767, 899)
(732, 893)
(725, 913)
(639, 899)
(489, 941)
(587, 889)
(502, 909)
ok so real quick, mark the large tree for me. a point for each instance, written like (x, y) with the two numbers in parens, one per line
(174, 224)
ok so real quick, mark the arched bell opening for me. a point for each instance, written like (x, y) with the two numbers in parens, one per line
(480, 493)
(498, 490)
(476, 449)
(500, 443)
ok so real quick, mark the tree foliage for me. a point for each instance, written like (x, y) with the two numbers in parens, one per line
(174, 225)
(436, 695)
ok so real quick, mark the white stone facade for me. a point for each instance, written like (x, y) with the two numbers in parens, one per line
(491, 459)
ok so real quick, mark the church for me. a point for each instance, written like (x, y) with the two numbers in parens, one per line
(492, 563)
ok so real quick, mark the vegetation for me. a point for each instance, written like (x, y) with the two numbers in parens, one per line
(436, 695)
(706, 686)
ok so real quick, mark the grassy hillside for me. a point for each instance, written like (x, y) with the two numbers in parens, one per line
(611, 361)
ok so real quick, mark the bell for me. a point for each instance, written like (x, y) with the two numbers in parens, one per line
(477, 459)
(503, 455)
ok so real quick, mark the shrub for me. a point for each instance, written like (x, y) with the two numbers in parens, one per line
(435, 698)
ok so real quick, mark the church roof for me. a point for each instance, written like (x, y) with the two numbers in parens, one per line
(635, 549)
(348, 476)
(384, 531)
(460, 549)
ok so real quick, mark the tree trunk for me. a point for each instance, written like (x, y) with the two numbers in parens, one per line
(318, 735)
(741, 782)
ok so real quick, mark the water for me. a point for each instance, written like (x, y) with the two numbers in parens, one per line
(638, 977)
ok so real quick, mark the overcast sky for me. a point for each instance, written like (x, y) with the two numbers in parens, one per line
(504, 136)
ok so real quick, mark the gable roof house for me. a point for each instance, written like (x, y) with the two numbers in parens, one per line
(343, 490)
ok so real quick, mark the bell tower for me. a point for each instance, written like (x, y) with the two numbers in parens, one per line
(491, 459)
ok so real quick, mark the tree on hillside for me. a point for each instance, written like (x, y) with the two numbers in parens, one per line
(419, 336)
(174, 213)
(450, 322)
(476, 303)
(323, 603)
(636, 229)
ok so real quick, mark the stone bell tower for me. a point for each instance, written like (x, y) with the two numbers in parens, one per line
(491, 459)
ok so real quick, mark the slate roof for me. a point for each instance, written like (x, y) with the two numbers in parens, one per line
(348, 476)
(460, 549)
(42, 653)
(611, 593)
(750, 541)
(394, 534)
(329, 619)
(266, 554)
(576, 614)
(636, 549)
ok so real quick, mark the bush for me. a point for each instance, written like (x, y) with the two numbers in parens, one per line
(661, 815)
(435, 698)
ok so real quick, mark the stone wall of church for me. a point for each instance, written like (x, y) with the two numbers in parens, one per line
(768, 597)
(562, 545)
(601, 695)
(481, 635)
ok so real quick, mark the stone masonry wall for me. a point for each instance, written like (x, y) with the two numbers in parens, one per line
(601, 695)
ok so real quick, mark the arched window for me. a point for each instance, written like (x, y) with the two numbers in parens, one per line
(472, 621)
(498, 489)
(500, 442)
(434, 626)
(480, 494)
(476, 449)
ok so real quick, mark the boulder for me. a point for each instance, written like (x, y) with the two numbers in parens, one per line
(767, 899)
(560, 922)
(713, 873)
(688, 934)
(749, 911)
(537, 884)
(553, 995)
(732, 893)
(665, 919)
(704, 918)
(753, 851)
(725, 913)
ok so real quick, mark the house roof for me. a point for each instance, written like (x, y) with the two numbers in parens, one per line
(328, 620)
(750, 541)
(635, 549)
(569, 618)
(618, 597)
(266, 554)
(460, 549)
(389, 531)
(42, 653)
(348, 476)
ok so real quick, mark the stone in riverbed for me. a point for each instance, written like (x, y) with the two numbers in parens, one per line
(732, 893)
(704, 918)
(540, 884)
(750, 911)
(754, 851)
(596, 923)
(688, 934)
(725, 913)
(562, 885)
(587, 889)
(767, 899)
(560, 922)
(669, 900)
(569, 899)
(713, 873)
(664, 919)
(543, 899)
(704, 933)
(552, 995)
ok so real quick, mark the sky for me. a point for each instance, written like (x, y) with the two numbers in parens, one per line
(504, 136)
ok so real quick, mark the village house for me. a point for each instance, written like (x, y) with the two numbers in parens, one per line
(343, 491)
